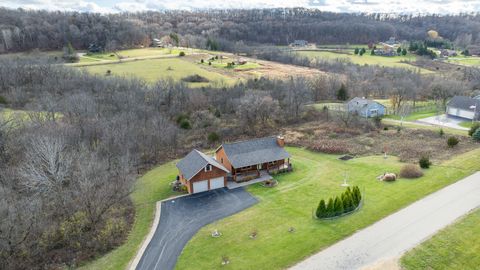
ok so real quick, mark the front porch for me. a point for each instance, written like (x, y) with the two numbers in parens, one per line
(262, 177)
(250, 173)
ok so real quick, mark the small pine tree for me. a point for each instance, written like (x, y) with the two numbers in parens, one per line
(330, 209)
(476, 135)
(338, 206)
(404, 52)
(348, 202)
(424, 162)
(473, 128)
(441, 132)
(372, 52)
(399, 50)
(342, 93)
(452, 141)
(356, 51)
(321, 209)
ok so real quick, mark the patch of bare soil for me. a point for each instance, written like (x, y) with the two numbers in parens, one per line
(408, 144)
(386, 264)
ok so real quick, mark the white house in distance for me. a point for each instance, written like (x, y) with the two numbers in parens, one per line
(464, 107)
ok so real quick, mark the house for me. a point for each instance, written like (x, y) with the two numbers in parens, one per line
(300, 43)
(448, 53)
(366, 107)
(247, 159)
(464, 107)
(199, 172)
(391, 41)
(94, 48)
(238, 161)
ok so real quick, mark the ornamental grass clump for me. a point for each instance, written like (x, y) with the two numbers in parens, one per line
(347, 202)
(411, 171)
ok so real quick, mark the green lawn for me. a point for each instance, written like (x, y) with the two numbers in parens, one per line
(455, 247)
(415, 115)
(149, 189)
(467, 124)
(465, 61)
(291, 203)
(155, 69)
(366, 59)
(143, 52)
(408, 124)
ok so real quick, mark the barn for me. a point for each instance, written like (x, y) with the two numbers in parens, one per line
(464, 107)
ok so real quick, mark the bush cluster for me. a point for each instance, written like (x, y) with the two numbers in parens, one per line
(411, 171)
(476, 135)
(3, 100)
(345, 203)
(181, 54)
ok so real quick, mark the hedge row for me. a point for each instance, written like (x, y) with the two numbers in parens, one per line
(347, 202)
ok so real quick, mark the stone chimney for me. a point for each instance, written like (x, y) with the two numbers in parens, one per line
(281, 141)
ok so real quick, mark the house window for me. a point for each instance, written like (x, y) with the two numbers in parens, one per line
(374, 112)
(221, 160)
(208, 168)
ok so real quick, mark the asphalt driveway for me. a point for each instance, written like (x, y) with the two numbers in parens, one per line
(401, 231)
(181, 218)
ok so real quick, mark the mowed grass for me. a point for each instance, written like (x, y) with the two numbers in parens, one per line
(156, 69)
(132, 53)
(416, 115)
(224, 64)
(455, 247)
(292, 202)
(366, 59)
(465, 61)
(150, 188)
(467, 124)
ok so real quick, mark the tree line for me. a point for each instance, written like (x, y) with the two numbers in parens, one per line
(24, 30)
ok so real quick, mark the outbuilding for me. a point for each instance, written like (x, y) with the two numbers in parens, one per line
(199, 172)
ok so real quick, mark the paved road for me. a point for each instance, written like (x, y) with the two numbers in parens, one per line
(181, 218)
(401, 231)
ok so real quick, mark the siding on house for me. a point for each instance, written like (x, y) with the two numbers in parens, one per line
(365, 107)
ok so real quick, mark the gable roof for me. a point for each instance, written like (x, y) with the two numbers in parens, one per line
(464, 103)
(194, 162)
(357, 102)
(252, 152)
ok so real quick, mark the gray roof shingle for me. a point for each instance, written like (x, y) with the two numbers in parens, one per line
(357, 102)
(252, 152)
(464, 103)
(195, 161)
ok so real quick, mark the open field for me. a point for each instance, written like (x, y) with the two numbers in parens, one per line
(150, 188)
(467, 124)
(455, 247)
(416, 115)
(464, 61)
(366, 59)
(291, 203)
(155, 69)
(132, 53)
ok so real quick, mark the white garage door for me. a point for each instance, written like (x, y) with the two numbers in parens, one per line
(217, 183)
(460, 113)
(200, 186)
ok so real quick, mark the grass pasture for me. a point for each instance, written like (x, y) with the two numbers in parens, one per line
(455, 247)
(291, 203)
(153, 70)
(465, 60)
(366, 59)
(132, 53)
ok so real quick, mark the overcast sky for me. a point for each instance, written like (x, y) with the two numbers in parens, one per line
(387, 6)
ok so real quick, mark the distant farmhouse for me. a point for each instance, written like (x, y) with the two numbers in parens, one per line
(299, 43)
(464, 107)
(366, 107)
(233, 162)
(448, 53)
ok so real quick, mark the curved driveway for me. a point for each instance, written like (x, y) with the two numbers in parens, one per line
(181, 218)
(401, 231)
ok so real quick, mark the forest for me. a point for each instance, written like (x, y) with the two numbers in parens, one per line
(69, 161)
(24, 30)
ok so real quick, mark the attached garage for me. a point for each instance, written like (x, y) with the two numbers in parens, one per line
(199, 172)
(464, 107)
(200, 186)
(218, 182)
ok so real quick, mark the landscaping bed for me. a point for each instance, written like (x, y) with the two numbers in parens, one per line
(408, 144)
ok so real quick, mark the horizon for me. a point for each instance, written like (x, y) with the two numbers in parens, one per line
(420, 7)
